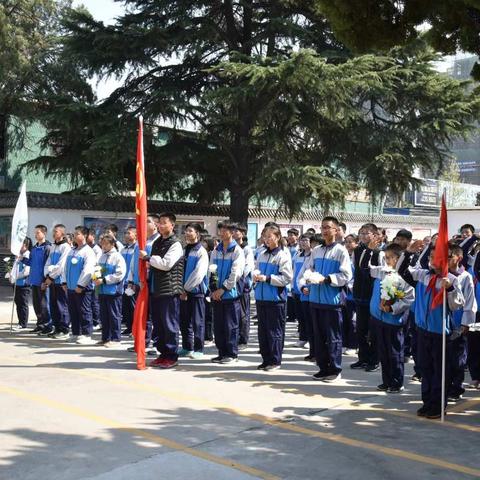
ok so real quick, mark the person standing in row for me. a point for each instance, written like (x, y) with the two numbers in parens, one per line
(166, 263)
(19, 277)
(273, 274)
(36, 262)
(128, 301)
(77, 282)
(97, 250)
(192, 305)
(229, 261)
(110, 290)
(246, 282)
(322, 277)
(54, 266)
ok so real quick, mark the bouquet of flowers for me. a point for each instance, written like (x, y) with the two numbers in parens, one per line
(313, 278)
(389, 289)
(97, 274)
(212, 270)
(8, 266)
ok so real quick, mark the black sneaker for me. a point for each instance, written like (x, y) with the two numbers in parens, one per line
(37, 329)
(416, 378)
(422, 411)
(309, 358)
(454, 398)
(382, 387)
(358, 365)
(396, 389)
(372, 368)
(46, 331)
(262, 366)
(217, 359)
(127, 332)
(320, 375)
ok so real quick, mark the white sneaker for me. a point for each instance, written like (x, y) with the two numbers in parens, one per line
(349, 351)
(332, 378)
(300, 343)
(61, 336)
(85, 340)
(97, 328)
(73, 338)
(17, 328)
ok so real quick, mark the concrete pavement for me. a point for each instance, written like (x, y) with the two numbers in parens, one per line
(85, 412)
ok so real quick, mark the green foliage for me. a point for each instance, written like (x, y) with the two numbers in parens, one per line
(279, 107)
(451, 25)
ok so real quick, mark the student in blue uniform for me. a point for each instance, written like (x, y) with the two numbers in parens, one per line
(322, 277)
(92, 242)
(246, 283)
(53, 280)
(19, 277)
(272, 275)
(129, 251)
(36, 262)
(110, 289)
(302, 309)
(429, 324)
(462, 320)
(166, 264)
(391, 316)
(192, 305)
(292, 246)
(77, 282)
(229, 260)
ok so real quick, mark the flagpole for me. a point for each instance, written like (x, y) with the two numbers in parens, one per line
(444, 351)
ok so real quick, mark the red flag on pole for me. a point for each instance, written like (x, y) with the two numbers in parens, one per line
(440, 257)
(141, 306)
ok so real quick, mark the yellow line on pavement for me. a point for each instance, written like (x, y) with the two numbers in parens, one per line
(279, 423)
(106, 422)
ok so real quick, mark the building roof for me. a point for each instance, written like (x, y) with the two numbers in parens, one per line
(127, 205)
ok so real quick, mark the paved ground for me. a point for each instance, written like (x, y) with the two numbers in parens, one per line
(83, 412)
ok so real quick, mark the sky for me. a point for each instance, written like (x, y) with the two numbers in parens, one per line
(106, 11)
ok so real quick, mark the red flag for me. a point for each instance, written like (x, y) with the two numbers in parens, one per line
(141, 306)
(440, 257)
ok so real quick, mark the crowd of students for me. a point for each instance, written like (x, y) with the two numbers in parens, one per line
(350, 294)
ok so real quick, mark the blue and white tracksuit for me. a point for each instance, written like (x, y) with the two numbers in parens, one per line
(271, 296)
(79, 267)
(333, 262)
(247, 283)
(192, 310)
(128, 301)
(58, 298)
(429, 334)
(390, 334)
(230, 264)
(19, 276)
(36, 261)
(302, 308)
(110, 293)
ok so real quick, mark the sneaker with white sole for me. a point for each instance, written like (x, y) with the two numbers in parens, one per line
(72, 338)
(332, 378)
(300, 343)
(85, 340)
(61, 336)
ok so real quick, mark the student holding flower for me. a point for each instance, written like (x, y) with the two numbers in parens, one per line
(273, 274)
(391, 300)
(108, 278)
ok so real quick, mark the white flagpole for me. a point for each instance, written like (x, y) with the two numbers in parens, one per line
(444, 352)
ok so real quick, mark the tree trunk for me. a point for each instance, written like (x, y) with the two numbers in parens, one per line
(239, 198)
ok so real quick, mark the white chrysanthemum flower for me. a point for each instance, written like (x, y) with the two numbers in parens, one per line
(7, 259)
(213, 268)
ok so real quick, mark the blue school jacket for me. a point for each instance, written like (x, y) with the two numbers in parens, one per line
(195, 280)
(128, 253)
(113, 272)
(276, 264)
(298, 262)
(230, 266)
(331, 261)
(430, 319)
(36, 262)
(79, 268)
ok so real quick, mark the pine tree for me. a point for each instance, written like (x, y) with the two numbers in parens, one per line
(279, 107)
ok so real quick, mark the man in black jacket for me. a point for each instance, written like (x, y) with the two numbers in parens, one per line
(363, 256)
(166, 284)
